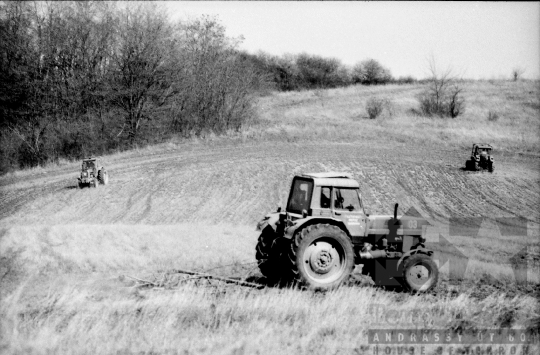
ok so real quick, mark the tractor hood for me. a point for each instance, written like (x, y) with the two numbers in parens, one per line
(406, 225)
(88, 172)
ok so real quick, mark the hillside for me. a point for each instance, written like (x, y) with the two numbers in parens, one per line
(194, 204)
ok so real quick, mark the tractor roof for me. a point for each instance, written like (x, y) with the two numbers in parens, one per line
(483, 145)
(333, 179)
(87, 159)
(328, 175)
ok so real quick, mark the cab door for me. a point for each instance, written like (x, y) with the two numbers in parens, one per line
(346, 206)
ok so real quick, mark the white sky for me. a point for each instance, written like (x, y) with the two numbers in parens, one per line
(477, 39)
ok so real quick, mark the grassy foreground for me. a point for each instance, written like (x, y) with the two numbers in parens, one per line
(70, 290)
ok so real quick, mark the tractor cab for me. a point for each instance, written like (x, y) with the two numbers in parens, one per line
(333, 195)
(89, 164)
(482, 150)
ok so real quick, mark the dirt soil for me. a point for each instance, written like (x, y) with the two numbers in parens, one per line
(239, 183)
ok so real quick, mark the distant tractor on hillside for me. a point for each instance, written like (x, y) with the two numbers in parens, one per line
(481, 158)
(91, 175)
(324, 231)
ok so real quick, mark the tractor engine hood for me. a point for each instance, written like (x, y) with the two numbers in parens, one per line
(406, 225)
(87, 176)
(380, 222)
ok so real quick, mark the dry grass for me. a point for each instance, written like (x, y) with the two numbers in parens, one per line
(234, 321)
(340, 115)
(70, 295)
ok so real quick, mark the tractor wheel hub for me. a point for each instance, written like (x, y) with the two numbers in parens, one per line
(322, 258)
(419, 274)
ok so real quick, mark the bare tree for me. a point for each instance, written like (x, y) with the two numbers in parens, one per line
(141, 59)
(29, 103)
(443, 95)
(517, 72)
(214, 82)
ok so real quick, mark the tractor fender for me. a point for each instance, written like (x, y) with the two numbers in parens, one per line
(271, 220)
(420, 250)
(304, 222)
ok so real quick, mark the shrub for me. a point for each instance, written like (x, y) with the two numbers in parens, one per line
(446, 105)
(405, 80)
(492, 116)
(319, 72)
(517, 72)
(374, 107)
(442, 96)
(370, 72)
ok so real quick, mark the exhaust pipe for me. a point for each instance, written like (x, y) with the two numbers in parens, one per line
(372, 254)
(393, 224)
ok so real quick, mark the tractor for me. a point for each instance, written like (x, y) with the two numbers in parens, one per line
(480, 158)
(325, 231)
(91, 175)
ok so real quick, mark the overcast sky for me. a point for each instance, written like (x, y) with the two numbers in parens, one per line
(478, 39)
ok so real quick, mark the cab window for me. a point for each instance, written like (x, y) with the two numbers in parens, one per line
(88, 165)
(346, 199)
(325, 197)
(300, 197)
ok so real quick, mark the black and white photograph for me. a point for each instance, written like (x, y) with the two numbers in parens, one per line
(269, 177)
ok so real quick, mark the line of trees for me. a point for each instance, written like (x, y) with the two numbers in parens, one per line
(305, 71)
(85, 78)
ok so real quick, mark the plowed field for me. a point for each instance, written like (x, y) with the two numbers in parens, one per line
(238, 184)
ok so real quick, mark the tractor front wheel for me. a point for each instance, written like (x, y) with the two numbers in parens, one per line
(420, 273)
(103, 177)
(321, 256)
(491, 167)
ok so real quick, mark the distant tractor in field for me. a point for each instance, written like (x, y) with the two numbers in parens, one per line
(91, 175)
(325, 231)
(480, 158)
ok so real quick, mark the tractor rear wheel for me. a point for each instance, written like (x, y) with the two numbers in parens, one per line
(420, 273)
(476, 167)
(103, 177)
(271, 256)
(321, 257)
(469, 165)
